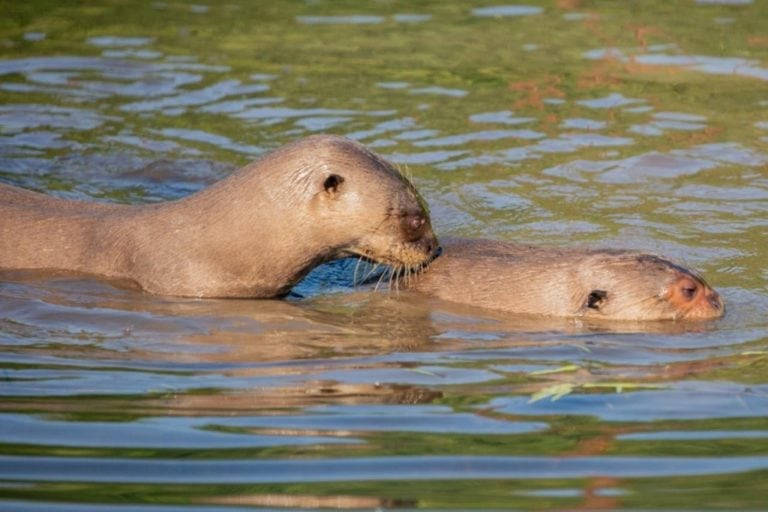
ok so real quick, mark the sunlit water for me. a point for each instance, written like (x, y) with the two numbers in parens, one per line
(613, 124)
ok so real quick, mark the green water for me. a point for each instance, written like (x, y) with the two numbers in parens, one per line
(607, 123)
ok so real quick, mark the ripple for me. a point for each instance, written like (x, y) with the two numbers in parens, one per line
(613, 100)
(34, 36)
(393, 85)
(503, 157)
(391, 468)
(424, 158)
(116, 41)
(652, 165)
(694, 435)
(236, 106)
(488, 135)
(583, 124)
(570, 142)
(680, 116)
(147, 144)
(440, 91)
(74, 77)
(166, 433)
(682, 401)
(390, 418)
(416, 134)
(500, 117)
(507, 10)
(724, 194)
(712, 65)
(131, 54)
(422, 375)
(202, 96)
(411, 18)
(392, 125)
(99, 175)
(358, 19)
(31, 64)
(38, 140)
(219, 141)
(660, 127)
(271, 115)
(19, 117)
(88, 382)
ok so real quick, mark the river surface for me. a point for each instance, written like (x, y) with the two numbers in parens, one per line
(558, 123)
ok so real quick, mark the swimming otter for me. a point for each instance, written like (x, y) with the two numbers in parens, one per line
(607, 284)
(254, 234)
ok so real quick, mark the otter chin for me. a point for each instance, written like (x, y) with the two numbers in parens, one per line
(592, 284)
(253, 234)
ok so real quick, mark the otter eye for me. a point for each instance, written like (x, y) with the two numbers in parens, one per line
(332, 182)
(688, 291)
(596, 299)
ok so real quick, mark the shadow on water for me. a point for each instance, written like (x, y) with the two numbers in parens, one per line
(555, 123)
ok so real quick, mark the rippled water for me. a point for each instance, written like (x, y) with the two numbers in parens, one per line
(614, 124)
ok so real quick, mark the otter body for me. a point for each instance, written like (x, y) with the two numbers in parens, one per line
(607, 284)
(253, 234)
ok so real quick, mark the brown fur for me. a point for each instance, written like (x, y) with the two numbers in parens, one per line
(608, 284)
(253, 234)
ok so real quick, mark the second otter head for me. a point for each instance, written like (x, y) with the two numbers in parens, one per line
(632, 286)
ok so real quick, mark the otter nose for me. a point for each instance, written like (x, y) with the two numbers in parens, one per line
(693, 298)
(715, 301)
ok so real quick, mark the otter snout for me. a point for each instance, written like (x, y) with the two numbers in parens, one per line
(693, 298)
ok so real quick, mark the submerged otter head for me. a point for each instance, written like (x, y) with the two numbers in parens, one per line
(630, 286)
(590, 284)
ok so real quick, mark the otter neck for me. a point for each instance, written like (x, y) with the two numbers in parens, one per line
(227, 245)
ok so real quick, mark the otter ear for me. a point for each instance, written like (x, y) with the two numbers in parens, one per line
(332, 184)
(596, 299)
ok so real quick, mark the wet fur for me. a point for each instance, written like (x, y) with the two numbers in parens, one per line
(554, 282)
(253, 234)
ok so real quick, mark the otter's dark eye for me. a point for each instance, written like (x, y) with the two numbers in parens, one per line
(596, 299)
(688, 291)
(688, 288)
(332, 182)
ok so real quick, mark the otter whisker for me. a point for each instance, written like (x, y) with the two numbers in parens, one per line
(354, 274)
(378, 282)
(371, 270)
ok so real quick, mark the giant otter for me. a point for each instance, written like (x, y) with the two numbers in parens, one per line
(594, 284)
(254, 234)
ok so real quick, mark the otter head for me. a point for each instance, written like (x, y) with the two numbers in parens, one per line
(365, 207)
(629, 286)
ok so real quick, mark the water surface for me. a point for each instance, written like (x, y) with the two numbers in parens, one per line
(611, 124)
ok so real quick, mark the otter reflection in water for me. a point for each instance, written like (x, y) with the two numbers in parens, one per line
(594, 284)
